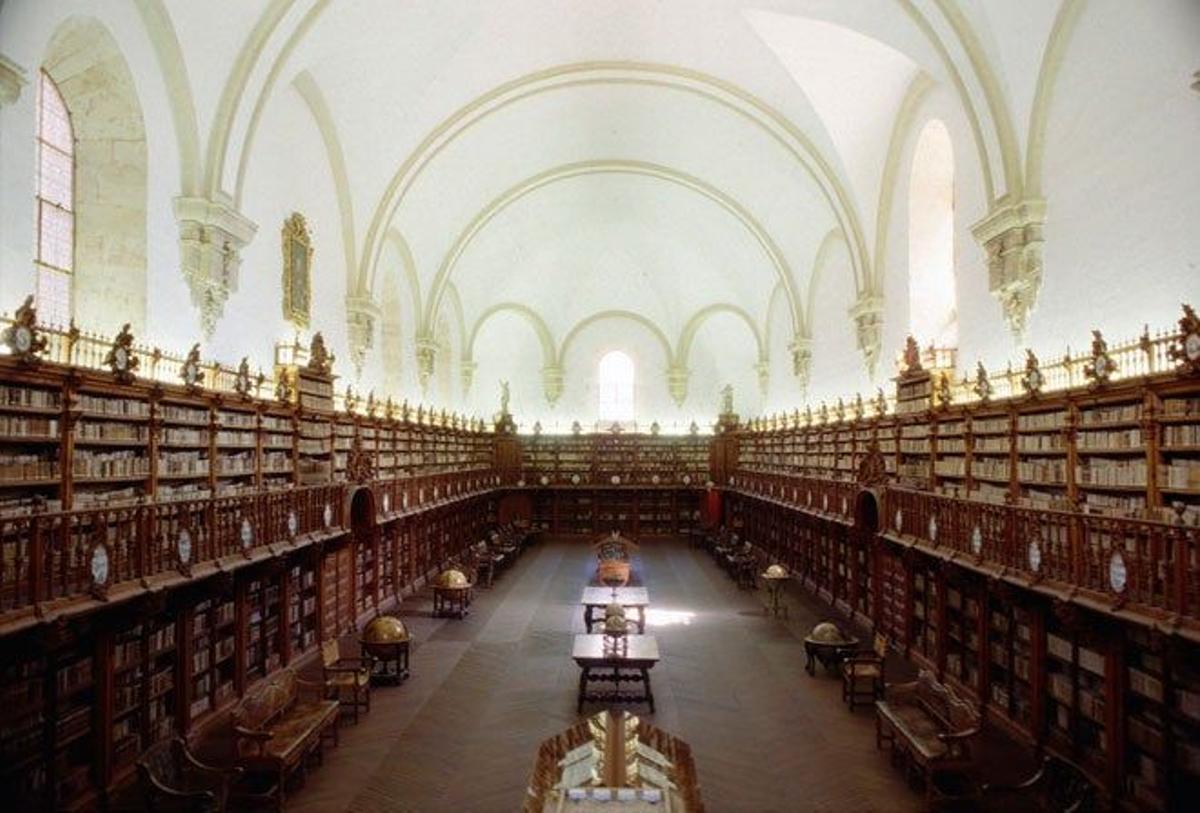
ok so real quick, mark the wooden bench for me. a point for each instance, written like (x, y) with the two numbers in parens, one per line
(281, 724)
(927, 725)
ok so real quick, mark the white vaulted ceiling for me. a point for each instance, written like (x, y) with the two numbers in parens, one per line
(726, 178)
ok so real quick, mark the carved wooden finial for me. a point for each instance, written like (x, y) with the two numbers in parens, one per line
(23, 338)
(1032, 380)
(121, 358)
(1185, 348)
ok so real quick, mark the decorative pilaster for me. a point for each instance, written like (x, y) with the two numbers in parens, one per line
(552, 382)
(466, 371)
(763, 370)
(677, 383)
(1012, 238)
(12, 79)
(211, 237)
(801, 350)
(426, 356)
(868, 323)
(361, 313)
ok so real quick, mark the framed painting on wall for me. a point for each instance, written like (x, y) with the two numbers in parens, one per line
(297, 270)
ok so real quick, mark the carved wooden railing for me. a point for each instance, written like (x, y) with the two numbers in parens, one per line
(1152, 567)
(45, 557)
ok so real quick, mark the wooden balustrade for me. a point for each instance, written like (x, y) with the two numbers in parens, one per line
(46, 556)
(1124, 562)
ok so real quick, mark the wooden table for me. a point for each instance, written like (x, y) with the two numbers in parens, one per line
(630, 662)
(829, 653)
(631, 598)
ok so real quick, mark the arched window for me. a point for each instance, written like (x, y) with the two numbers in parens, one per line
(932, 299)
(55, 204)
(615, 385)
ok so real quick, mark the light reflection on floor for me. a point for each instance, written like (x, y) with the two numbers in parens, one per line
(668, 618)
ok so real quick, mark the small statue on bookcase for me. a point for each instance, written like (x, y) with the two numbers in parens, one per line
(808, 415)
(576, 429)
(360, 467)
(727, 400)
(420, 414)
(824, 412)
(912, 356)
(983, 385)
(504, 398)
(405, 411)
(23, 338)
(372, 405)
(389, 408)
(351, 399)
(1032, 380)
(1185, 349)
(880, 403)
(243, 384)
(283, 387)
(442, 419)
(1100, 369)
(190, 372)
(121, 358)
(872, 471)
(840, 410)
(944, 393)
(860, 409)
(655, 429)
(693, 429)
(537, 428)
(320, 360)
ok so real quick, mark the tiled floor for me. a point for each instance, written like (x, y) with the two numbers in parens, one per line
(462, 733)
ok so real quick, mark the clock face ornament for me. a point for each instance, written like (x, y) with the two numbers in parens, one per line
(99, 565)
(22, 338)
(1118, 575)
(183, 547)
(1191, 347)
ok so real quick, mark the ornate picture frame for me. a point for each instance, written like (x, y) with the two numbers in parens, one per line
(297, 270)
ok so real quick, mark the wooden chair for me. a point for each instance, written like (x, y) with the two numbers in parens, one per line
(347, 680)
(172, 778)
(1057, 785)
(863, 674)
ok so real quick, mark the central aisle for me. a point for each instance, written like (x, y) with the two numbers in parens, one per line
(462, 733)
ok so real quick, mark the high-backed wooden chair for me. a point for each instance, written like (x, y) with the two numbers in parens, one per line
(173, 779)
(347, 680)
(863, 674)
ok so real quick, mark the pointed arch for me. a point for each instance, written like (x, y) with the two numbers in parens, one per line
(1064, 26)
(545, 338)
(179, 91)
(314, 100)
(688, 334)
(629, 316)
(641, 168)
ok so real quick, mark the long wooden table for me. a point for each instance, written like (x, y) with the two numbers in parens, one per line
(631, 598)
(629, 661)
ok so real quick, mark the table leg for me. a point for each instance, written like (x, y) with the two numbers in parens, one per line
(641, 621)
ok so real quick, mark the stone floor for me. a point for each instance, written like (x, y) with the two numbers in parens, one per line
(462, 733)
